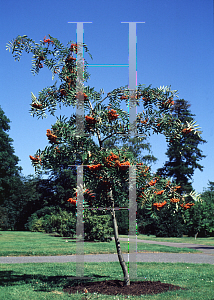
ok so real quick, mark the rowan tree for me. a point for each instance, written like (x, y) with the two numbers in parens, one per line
(106, 171)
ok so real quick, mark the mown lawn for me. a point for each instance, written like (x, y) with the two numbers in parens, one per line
(24, 243)
(41, 281)
(37, 281)
(209, 241)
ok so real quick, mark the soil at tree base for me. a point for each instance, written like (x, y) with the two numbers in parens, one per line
(116, 287)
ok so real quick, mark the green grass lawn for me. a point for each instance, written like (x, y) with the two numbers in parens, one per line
(24, 243)
(47, 280)
(37, 281)
(209, 241)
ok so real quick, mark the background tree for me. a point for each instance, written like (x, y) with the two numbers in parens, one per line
(208, 210)
(200, 221)
(9, 173)
(183, 154)
(30, 199)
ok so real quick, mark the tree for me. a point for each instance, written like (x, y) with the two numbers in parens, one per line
(183, 154)
(107, 170)
(9, 173)
(202, 221)
(30, 199)
(135, 146)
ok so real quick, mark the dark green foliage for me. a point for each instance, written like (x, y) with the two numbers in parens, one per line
(122, 217)
(32, 194)
(52, 219)
(193, 219)
(10, 179)
(145, 221)
(185, 154)
(207, 223)
(200, 220)
(9, 171)
(97, 226)
(30, 200)
(166, 221)
(169, 223)
(4, 218)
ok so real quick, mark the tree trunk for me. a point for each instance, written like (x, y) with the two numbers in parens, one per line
(117, 242)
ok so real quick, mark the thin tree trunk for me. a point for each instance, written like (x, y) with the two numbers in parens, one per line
(117, 242)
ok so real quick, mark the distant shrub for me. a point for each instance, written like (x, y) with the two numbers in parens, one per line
(64, 223)
(51, 220)
(97, 226)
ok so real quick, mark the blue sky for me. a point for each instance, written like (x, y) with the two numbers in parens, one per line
(174, 47)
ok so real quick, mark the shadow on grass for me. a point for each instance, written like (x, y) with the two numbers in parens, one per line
(44, 283)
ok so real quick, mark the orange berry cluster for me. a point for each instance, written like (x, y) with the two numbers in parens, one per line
(152, 182)
(185, 130)
(187, 205)
(159, 192)
(72, 201)
(90, 120)
(48, 41)
(57, 150)
(146, 99)
(174, 200)
(70, 82)
(73, 48)
(123, 166)
(159, 205)
(51, 137)
(124, 97)
(95, 167)
(111, 161)
(36, 105)
(40, 65)
(110, 158)
(117, 163)
(169, 102)
(176, 187)
(144, 121)
(132, 96)
(63, 92)
(35, 159)
(112, 114)
(82, 94)
(70, 58)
